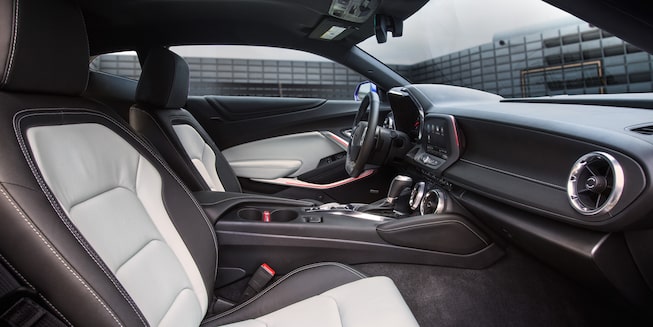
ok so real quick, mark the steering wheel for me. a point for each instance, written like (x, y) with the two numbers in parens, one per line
(362, 136)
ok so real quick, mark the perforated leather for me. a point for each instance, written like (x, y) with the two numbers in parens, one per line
(113, 196)
(200, 154)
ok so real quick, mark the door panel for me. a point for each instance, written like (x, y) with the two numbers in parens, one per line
(282, 156)
(233, 120)
(286, 141)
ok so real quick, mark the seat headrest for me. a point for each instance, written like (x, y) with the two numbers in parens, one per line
(43, 47)
(164, 80)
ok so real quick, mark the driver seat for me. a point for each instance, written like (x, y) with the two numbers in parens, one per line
(101, 230)
(158, 116)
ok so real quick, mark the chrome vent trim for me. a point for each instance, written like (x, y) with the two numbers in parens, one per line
(595, 183)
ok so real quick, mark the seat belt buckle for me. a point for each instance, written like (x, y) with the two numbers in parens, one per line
(261, 277)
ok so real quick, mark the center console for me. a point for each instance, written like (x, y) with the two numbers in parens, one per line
(286, 234)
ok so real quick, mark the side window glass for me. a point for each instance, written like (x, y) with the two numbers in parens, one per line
(124, 64)
(263, 71)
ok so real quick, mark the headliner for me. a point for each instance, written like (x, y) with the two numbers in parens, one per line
(117, 25)
(138, 24)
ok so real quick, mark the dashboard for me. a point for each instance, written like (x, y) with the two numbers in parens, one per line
(568, 179)
(573, 163)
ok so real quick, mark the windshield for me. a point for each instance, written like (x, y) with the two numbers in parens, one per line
(514, 48)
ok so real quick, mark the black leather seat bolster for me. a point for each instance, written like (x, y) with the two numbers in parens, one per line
(151, 127)
(51, 54)
(157, 127)
(300, 284)
(36, 242)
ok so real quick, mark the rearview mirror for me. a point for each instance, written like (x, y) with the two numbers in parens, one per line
(384, 24)
(363, 89)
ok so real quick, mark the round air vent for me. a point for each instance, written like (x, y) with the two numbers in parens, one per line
(595, 183)
(433, 202)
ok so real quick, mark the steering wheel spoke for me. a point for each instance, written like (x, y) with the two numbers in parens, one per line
(363, 136)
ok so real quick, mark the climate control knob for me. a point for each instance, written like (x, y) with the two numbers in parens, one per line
(416, 195)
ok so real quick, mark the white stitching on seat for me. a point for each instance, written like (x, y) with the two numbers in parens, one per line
(66, 220)
(57, 255)
(54, 203)
(163, 163)
(61, 316)
(288, 275)
(184, 158)
(13, 45)
(16, 271)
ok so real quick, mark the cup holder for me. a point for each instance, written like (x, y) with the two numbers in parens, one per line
(283, 215)
(279, 215)
(250, 214)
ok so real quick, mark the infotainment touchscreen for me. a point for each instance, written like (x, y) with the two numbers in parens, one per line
(435, 136)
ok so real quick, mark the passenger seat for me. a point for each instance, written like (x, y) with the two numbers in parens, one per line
(159, 117)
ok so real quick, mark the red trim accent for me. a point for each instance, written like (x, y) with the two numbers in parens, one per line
(268, 269)
(338, 139)
(266, 216)
(455, 132)
(297, 183)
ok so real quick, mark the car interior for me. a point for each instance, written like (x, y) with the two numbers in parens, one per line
(133, 203)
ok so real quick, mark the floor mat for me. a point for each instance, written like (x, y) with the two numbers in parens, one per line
(517, 291)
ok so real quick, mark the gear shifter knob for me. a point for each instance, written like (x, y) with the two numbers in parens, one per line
(399, 183)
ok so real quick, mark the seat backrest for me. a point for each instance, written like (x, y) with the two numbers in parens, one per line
(89, 214)
(158, 116)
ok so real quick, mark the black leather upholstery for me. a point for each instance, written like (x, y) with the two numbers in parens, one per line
(156, 125)
(50, 58)
(161, 94)
(199, 238)
(164, 81)
(45, 60)
(38, 239)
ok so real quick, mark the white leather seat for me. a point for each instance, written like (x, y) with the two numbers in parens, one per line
(102, 229)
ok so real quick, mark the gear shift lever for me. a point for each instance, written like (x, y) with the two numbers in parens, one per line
(398, 184)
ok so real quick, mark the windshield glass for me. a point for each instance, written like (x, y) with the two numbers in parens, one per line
(514, 48)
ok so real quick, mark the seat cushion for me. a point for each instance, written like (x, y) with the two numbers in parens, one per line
(326, 289)
(371, 301)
